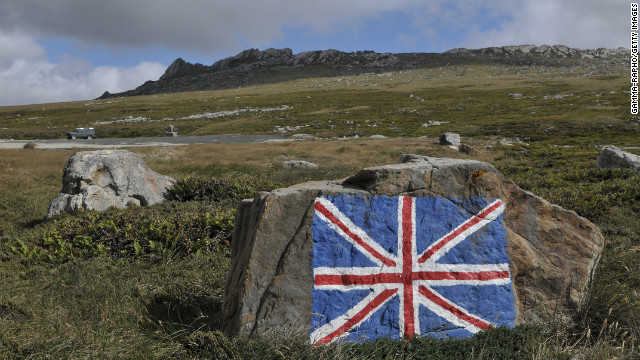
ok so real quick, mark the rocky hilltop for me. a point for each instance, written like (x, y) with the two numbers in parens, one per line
(254, 66)
(556, 51)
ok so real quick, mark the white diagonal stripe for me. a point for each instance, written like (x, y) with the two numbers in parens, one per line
(355, 229)
(463, 235)
(338, 322)
(447, 315)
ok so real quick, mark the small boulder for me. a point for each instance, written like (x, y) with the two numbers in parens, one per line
(467, 149)
(98, 180)
(299, 164)
(450, 138)
(614, 158)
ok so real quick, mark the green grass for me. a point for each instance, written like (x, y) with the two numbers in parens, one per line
(78, 286)
(360, 105)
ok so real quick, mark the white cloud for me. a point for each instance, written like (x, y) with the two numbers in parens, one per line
(214, 27)
(221, 26)
(27, 76)
(583, 24)
(18, 45)
(200, 25)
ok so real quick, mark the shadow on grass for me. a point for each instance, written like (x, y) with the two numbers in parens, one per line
(33, 223)
(180, 316)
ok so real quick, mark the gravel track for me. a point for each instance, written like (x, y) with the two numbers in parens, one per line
(107, 143)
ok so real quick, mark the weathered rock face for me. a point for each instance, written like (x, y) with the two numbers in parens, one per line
(332, 259)
(614, 158)
(97, 180)
(177, 67)
(543, 50)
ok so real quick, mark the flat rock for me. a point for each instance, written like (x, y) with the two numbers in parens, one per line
(98, 180)
(427, 247)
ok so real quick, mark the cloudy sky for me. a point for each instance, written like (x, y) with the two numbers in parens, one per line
(62, 50)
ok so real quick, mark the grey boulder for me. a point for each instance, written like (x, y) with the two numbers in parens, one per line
(450, 138)
(614, 158)
(98, 180)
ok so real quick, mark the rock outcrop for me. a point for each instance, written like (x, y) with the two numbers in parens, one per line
(561, 51)
(253, 59)
(177, 68)
(255, 66)
(98, 180)
(295, 249)
(614, 158)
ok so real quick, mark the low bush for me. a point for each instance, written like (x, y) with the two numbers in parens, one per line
(207, 189)
(130, 233)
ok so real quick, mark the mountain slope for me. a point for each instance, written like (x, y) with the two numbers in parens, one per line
(251, 67)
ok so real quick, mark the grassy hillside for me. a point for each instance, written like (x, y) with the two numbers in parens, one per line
(555, 103)
(148, 282)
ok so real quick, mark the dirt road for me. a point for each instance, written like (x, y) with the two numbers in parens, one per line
(147, 141)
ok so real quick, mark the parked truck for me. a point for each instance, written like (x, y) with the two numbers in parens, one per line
(82, 133)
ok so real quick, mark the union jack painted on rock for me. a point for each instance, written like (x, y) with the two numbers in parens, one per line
(401, 267)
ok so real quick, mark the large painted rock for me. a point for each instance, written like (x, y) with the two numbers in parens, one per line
(98, 180)
(428, 247)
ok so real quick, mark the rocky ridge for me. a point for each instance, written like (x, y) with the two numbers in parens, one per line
(555, 51)
(254, 66)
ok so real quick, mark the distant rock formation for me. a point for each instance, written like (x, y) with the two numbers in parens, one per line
(254, 66)
(560, 51)
(178, 67)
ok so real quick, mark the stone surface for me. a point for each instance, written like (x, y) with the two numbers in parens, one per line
(467, 149)
(269, 288)
(449, 138)
(177, 67)
(97, 180)
(298, 164)
(614, 158)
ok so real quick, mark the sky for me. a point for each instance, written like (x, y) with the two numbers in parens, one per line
(68, 50)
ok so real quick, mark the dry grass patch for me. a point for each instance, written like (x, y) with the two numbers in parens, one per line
(326, 153)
